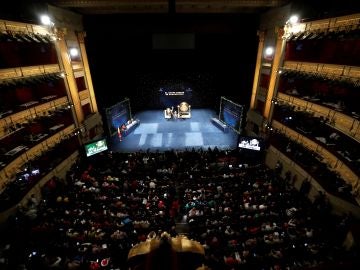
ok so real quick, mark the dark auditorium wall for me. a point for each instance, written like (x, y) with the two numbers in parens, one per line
(121, 54)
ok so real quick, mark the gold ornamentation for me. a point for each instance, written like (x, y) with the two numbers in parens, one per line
(178, 244)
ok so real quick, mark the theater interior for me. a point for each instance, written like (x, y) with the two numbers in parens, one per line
(179, 134)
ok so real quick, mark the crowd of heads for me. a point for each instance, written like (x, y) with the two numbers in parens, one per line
(244, 215)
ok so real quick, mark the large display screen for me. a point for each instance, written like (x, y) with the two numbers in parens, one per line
(166, 89)
(117, 115)
(231, 114)
(95, 147)
(251, 143)
(172, 93)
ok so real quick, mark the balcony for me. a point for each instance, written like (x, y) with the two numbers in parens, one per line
(31, 172)
(312, 162)
(337, 145)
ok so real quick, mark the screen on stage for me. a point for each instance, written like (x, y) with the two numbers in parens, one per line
(231, 114)
(117, 115)
(174, 94)
(250, 143)
(166, 89)
(95, 147)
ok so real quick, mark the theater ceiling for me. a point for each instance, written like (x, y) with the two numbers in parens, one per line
(92, 7)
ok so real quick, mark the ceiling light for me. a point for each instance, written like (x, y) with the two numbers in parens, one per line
(269, 51)
(74, 52)
(45, 20)
(294, 19)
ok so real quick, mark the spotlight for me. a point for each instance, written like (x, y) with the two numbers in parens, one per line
(269, 51)
(45, 20)
(74, 52)
(294, 19)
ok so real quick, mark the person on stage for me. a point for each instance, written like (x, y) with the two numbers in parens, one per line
(172, 112)
(121, 130)
(119, 133)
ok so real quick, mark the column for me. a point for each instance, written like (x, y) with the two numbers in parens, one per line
(277, 62)
(70, 79)
(81, 36)
(261, 35)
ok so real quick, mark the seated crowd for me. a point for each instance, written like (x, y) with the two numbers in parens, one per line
(322, 131)
(312, 162)
(32, 171)
(245, 216)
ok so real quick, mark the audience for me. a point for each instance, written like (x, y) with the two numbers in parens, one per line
(322, 131)
(312, 162)
(34, 170)
(246, 217)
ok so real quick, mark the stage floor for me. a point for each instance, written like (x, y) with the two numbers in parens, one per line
(155, 133)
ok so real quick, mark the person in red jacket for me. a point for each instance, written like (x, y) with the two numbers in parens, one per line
(121, 129)
(119, 133)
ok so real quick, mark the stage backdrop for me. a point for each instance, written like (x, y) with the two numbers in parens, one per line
(117, 115)
(161, 90)
(173, 95)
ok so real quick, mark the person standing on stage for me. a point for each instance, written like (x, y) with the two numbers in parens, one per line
(119, 133)
(121, 129)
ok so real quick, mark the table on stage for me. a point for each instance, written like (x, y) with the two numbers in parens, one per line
(220, 124)
(130, 127)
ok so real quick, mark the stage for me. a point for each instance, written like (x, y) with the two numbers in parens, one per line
(155, 133)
